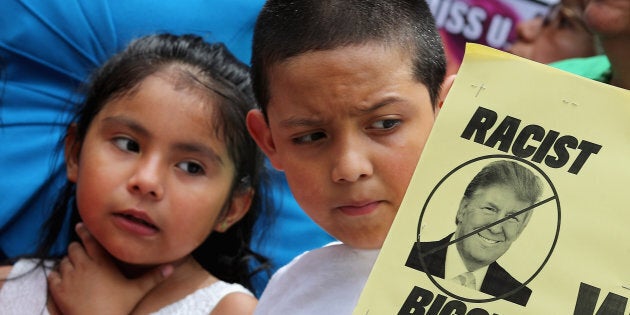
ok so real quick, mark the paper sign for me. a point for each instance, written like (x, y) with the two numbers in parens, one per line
(555, 240)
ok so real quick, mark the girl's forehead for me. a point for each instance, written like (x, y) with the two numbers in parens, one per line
(157, 100)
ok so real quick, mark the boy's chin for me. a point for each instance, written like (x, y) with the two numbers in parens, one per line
(367, 244)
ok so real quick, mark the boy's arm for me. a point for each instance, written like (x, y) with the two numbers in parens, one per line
(87, 281)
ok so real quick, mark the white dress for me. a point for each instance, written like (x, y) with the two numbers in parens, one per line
(328, 280)
(26, 292)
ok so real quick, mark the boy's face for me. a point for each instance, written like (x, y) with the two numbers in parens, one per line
(347, 127)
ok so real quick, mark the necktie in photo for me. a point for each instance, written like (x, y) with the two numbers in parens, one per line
(466, 279)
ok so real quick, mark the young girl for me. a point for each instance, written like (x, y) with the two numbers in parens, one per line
(161, 174)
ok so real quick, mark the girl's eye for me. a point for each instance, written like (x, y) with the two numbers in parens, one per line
(127, 144)
(386, 124)
(311, 137)
(191, 168)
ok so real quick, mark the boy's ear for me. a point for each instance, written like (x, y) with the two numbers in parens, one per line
(71, 153)
(260, 132)
(241, 201)
(446, 87)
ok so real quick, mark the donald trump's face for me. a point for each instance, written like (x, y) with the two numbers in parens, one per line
(486, 206)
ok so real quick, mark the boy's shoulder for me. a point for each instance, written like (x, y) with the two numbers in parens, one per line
(333, 253)
(326, 280)
(328, 263)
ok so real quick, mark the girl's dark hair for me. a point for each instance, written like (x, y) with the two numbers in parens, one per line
(209, 68)
(286, 29)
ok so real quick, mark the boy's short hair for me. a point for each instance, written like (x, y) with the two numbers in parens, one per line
(286, 29)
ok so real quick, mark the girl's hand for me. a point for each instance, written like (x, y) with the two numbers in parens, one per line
(88, 282)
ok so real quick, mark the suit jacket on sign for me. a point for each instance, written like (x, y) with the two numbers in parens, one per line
(498, 282)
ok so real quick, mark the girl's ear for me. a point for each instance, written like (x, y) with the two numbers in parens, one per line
(241, 202)
(260, 132)
(71, 153)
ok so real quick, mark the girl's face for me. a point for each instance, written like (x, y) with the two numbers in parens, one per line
(151, 176)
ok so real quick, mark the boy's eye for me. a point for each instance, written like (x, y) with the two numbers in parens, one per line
(311, 137)
(385, 124)
(191, 168)
(127, 144)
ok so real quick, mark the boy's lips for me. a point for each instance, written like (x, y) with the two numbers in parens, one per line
(135, 222)
(359, 208)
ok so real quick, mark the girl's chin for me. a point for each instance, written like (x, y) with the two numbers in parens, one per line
(131, 270)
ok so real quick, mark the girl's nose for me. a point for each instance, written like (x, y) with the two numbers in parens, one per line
(146, 180)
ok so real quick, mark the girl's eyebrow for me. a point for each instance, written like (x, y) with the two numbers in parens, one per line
(198, 148)
(128, 122)
(186, 147)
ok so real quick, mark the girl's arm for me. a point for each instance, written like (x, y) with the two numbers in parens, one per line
(87, 280)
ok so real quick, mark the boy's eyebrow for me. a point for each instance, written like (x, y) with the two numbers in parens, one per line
(187, 147)
(379, 105)
(310, 122)
(300, 122)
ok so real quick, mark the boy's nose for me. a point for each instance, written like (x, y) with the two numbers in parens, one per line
(351, 164)
(146, 180)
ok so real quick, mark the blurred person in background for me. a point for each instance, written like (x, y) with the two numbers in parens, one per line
(609, 20)
(562, 34)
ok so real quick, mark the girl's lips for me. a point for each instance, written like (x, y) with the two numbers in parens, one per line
(359, 209)
(135, 222)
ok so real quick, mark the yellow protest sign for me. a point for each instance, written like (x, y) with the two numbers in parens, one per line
(518, 203)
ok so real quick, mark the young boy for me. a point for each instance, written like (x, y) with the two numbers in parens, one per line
(349, 91)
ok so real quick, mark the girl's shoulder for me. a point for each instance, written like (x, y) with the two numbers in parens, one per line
(218, 298)
(20, 267)
(236, 303)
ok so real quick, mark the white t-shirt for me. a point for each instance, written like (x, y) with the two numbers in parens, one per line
(328, 280)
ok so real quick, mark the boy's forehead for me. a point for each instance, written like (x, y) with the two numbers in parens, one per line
(356, 74)
(353, 63)
(342, 53)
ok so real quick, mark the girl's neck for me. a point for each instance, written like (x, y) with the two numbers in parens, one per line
(133, 271)
(188, 276)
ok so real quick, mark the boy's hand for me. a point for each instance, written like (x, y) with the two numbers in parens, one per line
(88, 281)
